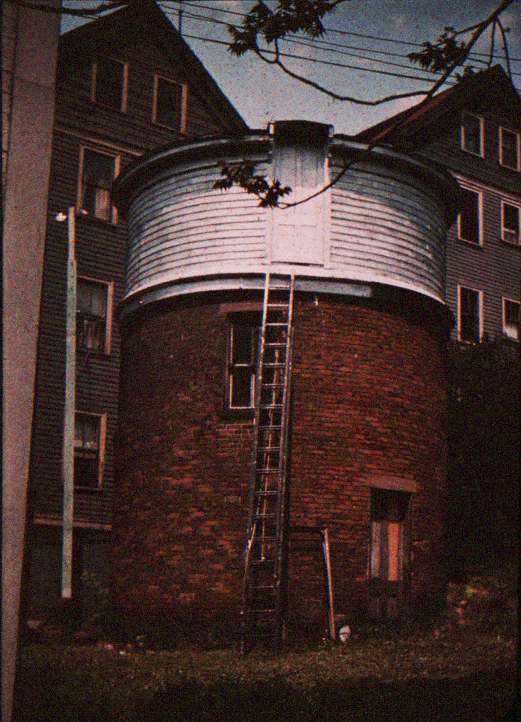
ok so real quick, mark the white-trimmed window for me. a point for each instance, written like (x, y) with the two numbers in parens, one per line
(97, 172)
(472, 134)
(470, 314)
(470, 219)
(109, 83)
(169, 103)
(511, 318)
(243, 335)
(510, 222)
(509, 148)
(90, 432)
(94, 315)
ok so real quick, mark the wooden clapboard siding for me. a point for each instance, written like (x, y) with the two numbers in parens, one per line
(388, 227)
(101, 246)
(183, 222)
(434, 133)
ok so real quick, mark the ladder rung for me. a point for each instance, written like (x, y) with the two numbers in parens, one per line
(277, 324)
(266, 493)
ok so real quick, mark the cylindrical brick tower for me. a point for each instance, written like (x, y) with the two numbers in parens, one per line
(367, 432)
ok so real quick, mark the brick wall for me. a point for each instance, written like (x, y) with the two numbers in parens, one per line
(368, 404)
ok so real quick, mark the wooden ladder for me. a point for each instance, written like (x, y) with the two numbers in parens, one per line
(265, 563)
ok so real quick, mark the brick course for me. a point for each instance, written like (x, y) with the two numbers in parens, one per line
(368, 402)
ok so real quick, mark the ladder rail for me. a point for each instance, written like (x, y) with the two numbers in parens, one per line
(267, 521)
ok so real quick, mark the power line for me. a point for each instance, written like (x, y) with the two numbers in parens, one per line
(332, 31)
(427, 78)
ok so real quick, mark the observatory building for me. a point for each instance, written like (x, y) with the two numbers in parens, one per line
(357, 271)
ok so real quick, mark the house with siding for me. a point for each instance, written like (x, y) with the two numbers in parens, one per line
(116, 98)
(473, 129)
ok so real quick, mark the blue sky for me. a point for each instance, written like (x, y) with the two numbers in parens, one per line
(361, 34)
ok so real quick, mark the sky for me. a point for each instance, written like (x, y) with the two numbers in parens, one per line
(363, 37)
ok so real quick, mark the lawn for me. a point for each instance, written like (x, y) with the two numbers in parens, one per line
(447, 676)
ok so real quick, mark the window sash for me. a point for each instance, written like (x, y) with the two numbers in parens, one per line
(510, 222)
(469, 315)
(98, 171)
(168, 106)
(511, 318)
(472, 134)
(469, 219)
(93, 315)
(242, 364)
(89, 444)
(109, 83)
(509, 149)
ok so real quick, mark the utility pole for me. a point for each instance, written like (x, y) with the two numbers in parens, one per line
(68, 424)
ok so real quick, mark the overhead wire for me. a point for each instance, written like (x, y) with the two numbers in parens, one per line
(328, 46)
(318, 41)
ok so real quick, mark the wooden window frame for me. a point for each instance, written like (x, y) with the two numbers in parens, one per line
(102, 441)
(124, 84)
(80, 210)
(480, 314)
(253, 321)
(481, 120)
(184, 98)
(517, 334)
(516, 241)
(109, 287)
(518, 148)
(479, 194)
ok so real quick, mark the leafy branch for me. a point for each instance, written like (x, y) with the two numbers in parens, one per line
(262, 29)
(242, 174)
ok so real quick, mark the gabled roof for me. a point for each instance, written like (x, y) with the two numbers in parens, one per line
(419, 124)
(159, 31)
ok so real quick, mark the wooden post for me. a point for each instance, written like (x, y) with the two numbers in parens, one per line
(329, 577)
(68, 424)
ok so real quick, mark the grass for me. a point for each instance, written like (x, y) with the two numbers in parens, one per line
(451, 676)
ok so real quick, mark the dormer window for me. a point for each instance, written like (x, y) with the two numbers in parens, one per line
(472, 134)
(169, 103)
(509, 148)
(109, 83)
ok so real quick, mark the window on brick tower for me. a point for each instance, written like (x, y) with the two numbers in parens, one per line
(388, 550)
(243, 336)
(93, 315)
(89, 443)
(469, 315)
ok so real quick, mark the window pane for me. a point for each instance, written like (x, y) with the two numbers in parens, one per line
(242, 344)
(512, 317)
(109, 83)
(98, 174)
(510, 223)
(472, 134)
(241, 388)
(469, 315)
(469, 216)
(91, 315)
(86, 450)
(509, 149)
(168, 103)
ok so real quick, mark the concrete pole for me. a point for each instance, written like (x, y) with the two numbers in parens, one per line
(29, 55)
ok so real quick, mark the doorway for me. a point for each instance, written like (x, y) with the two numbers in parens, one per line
(389, 553)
